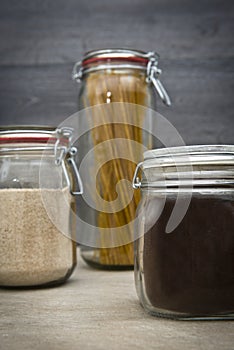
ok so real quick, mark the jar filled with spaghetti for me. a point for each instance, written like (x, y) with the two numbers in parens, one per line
(119, 88)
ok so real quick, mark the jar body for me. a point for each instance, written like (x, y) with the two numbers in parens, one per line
(104, 89)
(189, 272)
(33, 250)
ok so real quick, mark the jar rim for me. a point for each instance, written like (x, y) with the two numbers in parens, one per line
(26, 134)
(188, 166)
(34, 138)
(103, 59)
(189, 151)
(189, 156)
(120, 54)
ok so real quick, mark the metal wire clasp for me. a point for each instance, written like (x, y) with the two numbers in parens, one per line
(136, 183)
(153, 72)
(78, 180)
(61, 149)
(77, 71)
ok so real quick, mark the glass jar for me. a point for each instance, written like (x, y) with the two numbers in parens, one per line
(114, 83)
(37, 228)
(186, 271)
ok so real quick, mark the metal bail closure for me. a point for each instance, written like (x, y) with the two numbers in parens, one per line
(71, 161)
(77, 71)
(153, 73)
(61, 149)
(136, 181)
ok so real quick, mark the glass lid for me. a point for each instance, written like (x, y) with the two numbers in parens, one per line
(189, 155)
(29, 138)
(199, 165)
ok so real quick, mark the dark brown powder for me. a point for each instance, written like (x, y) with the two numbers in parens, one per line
(191, 270)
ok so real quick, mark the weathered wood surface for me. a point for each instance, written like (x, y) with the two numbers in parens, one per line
(98, 310)
(40, 41)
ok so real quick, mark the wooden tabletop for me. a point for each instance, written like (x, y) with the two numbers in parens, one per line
(41, 40)
(98, 310)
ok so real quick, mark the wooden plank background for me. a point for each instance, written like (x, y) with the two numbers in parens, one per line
(41, 39)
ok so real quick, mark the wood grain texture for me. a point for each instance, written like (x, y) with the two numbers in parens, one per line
(98, 310)
(42, 32)
(40, 41)
(201, 92)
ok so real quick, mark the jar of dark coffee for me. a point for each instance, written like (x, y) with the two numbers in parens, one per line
(184, 266)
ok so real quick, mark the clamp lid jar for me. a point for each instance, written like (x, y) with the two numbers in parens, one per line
(186, 271)
(113, 83)
(37, 184)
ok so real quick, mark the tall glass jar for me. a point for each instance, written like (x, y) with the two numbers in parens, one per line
(184, 266)
(115, 82)
(37, 185)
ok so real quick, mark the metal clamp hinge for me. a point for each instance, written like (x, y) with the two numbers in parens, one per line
(153, 73)
(136, 183)
(60, 152)
(77, 71)
(78, 180)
